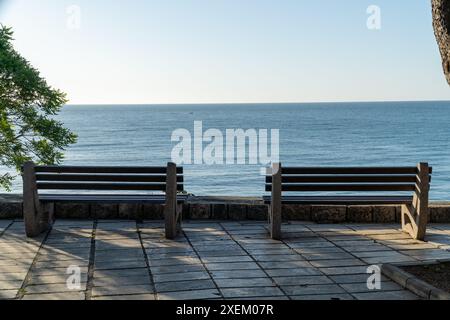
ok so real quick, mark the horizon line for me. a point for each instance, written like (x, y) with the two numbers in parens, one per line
(247, 103)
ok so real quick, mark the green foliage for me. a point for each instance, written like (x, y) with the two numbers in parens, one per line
(28, 130)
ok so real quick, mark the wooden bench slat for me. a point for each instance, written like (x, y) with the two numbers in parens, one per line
(106, 169)
(344, 187)
(343, 200)
(345, 179)
(105, 186)
(349, 170)
(104, 178)
(110, 198)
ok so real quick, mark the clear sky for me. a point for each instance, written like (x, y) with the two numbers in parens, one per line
(202, 51)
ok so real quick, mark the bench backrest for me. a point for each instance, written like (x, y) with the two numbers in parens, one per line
(105, 178)
(354, 179)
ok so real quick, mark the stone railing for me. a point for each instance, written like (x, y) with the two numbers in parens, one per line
(227, 208)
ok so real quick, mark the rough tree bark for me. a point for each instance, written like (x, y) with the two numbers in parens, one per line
(441, 23)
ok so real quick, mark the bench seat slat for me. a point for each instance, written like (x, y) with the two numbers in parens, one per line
(345, 179)
(104, 177)
(104, 186)
(106, 169)
(349, 170)
(343, 200)
(105, 198)
(344, 187)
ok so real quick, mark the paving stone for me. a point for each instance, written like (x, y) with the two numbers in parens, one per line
(63, 257)
(427, 254)
(175, 256)
(392, 259)
(113, 265)
(327, 256)
(122, 290)
(354, 243)
(51, 288)
(386, 295)
(222, 253)
(55, 271)
(362, 287)
(337, 263)
(323, 297)
(278, 258)
(121, 281)
(227, 259)
(131, 297)
(242, 283)
(372, 254)
(205, 249)
(232, 266)
(119, 258)
(189, 295)
(285, 265)
(366, 248)
(259, 252)
(312, 289)
(184, 285)
(60, 264)
(4, 224)
(56, 296)
(173, 262)
(315, 244)
(302, 280)
(53, 279)
(10, 285)
(261, 298)
(181, 276)
(8, 294)
(252, 292)
(353, 278)
(177, 269)
(344, 270)
(9, 276)
(121, 273)
(318, 251)
(15, 262)
(238, 274)
(421, 246)
(293, 272)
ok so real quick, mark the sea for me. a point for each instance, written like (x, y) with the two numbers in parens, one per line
(310, 134)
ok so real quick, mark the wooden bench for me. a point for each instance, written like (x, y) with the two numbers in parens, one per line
(38, 207)
(415, 180)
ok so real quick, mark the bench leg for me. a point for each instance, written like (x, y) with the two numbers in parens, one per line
(170, 209)
(179, 228)
(37, 218)
(415, 216)
(275, 206)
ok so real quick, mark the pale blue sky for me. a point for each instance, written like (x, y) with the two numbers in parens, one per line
(201, 51)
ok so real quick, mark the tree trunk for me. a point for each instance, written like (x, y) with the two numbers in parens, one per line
(441, 23)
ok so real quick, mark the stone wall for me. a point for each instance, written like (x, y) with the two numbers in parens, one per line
(215, 208)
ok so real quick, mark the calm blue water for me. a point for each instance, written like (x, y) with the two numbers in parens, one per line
(340, 134)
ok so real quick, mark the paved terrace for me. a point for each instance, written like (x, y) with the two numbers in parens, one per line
(210, 260)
